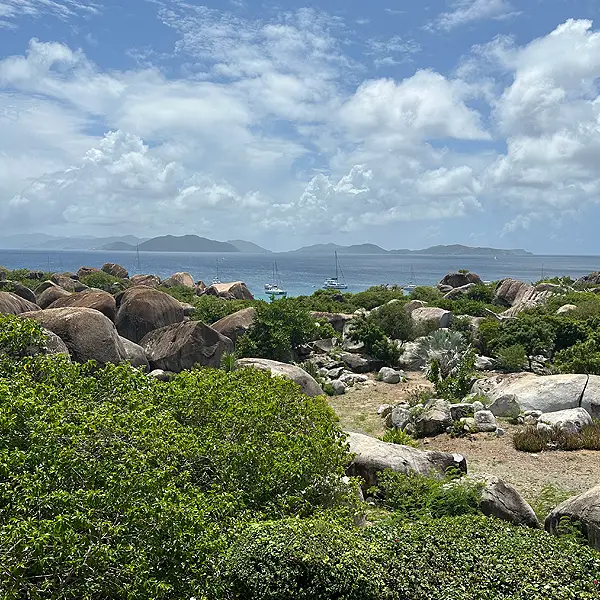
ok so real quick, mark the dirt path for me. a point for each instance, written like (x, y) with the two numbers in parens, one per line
(532, 474)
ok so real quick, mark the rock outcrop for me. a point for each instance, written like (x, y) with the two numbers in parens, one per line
(309, 386)
(235, 325)
(336, 320)
(11, 304)
(179, 280)
(115, 270)
(151, 281)
(85, 271)
(458, 280)
(96, 299)
(437, 317)
(184, 345)
(143, 309)
(66, 282)
(434, 419)
(87, 333)
(583, 512)
(373, 456)
(547, 393)
(520, 296)
(19, 290)
(48, 293)
(135, 355)
(235, 290)
(570, 421)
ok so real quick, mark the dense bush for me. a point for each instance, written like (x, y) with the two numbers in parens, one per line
(377, 344)
(20, 337)
(377, 296)
(393, 320)
(103, 281)
(279, 328)
(113, 485)
(512, 358)
(209, 309)
(583, 357)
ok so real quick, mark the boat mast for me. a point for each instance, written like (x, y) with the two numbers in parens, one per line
(336, 266)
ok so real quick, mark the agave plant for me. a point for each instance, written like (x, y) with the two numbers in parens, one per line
(445, 349)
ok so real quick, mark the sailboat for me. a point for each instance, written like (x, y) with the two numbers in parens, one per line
(275, 289)
(334, 283)
(216, 279)
(411, 285)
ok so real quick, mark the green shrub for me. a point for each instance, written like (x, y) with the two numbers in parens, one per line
(482, 292)
(462, 325)
(415, 496)
(278, 329)
(377, 296)
(431, 295)
(512, 358)
(377, 344)
(397, 436)
(229, 362)
(20, 337)
(304, 560)
(393, 320)
(583, 357)
(114, 485)
(103, 281)
(531, 439)
(548, 499)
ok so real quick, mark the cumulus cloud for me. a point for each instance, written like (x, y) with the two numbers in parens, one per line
(468, 11)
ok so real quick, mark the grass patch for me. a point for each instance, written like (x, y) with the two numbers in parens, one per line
(531, 439)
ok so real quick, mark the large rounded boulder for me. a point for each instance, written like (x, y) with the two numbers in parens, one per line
(180, 280)
(96, 299)
(11, 304)
(235, 325)
(115, 270)
(66, 281)
(236, 290)
(135, 355)
(185, 345)
(152, 281)
(87, 333)
(460, 279)
(18, 289)
(308, 384)
(48, 293)
(143, 309)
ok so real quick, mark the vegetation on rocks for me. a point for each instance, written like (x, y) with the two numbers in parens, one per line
(532, 439)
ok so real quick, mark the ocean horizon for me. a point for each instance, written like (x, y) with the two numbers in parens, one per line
(302, 274)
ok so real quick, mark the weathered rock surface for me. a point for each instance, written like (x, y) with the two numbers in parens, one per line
(413, 305)
(583, 511)
(50, 294)
(457, 280)
(411, 359)
(115, 270)
(98, 300)
(484, 363)
(462, 410)
(570, 421)
(336, 320)
(152, 281)
(547, 393)
(143, 309)
(87, 333)
(430, 314)
(389, 375)
(566, 308)
(400, 417)
(373, 456)
(236, 290)
(19, 290)
(184, 345)
(85, 271)
(309, 386)
(520, 296)
(455, 293)
(66, 282)
(501, 500)
(485, 421)
(235, 325)
(355, 363)
(135, 355)
(506, 406)
(11, 304)
(339, 387)
(434, 419)
(179, 280)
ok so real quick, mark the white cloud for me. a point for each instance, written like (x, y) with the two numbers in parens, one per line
(393, 51)
(12, 10)
(468, 11)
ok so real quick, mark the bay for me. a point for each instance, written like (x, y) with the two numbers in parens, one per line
(302, 273)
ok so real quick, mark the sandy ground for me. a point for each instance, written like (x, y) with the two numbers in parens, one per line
(561, 473)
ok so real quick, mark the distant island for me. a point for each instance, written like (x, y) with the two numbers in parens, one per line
(441, 250)
(194, 243)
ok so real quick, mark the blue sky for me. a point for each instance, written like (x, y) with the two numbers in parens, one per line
(400, 123)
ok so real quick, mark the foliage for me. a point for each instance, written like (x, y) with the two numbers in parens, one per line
(229, 362)
(530, 439)
(209, 309)
(103, 281)
(393, 320)
(303, 560)
(398, 436)
(548, 499)
(462, 324)
(419, 395)
(117, 486)
(458, 384)
(481, 292)
(278, 329)
(416, 496)
(512, 358)
(23, 276)
(20, 337)
(377, 296)
(431, 295)
(376, 343)
(583, 357)
(444, 348)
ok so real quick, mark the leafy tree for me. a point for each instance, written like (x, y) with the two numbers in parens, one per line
(377, 344)
(393, 320)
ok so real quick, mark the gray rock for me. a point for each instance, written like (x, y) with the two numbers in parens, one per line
(456, 280)
(461, 411)
(506, 406)
(373, 456)
(325, 345)
(339, 387)
(413, 305)
(143, 309)
(434, 419)
(237, 324)
(11, 304)
(19, 290)
(184, 345)
(400, 417)
(570, 421)
(54, 344)
(180, 280)
(356, 363)
(161, 375)
(87, 333)
(566, 308)
(582, 511)
(388, 375)
(458, 292)
(65, 281)
(49, 294)
(384, 410)
(438, 316)
(521, 296)
(477, 406)
(97, 300)
(135, 355)
(151, 281)
(531, 420)
(115, 270)
(485, 421)
(236, 290)
(309, 386)
(335, 373)
(500, 432)
(501, 500)
(351, 379)
(484, 363)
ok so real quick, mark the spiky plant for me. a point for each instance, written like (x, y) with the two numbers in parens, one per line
(444, 348)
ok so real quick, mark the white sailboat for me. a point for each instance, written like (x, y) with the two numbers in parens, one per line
(411, 285)
(216, 279)
(275, 289)
(334, 283)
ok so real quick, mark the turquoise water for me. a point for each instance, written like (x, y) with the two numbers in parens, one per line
(303, 274)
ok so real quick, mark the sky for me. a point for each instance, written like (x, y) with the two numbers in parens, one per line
(402, 123)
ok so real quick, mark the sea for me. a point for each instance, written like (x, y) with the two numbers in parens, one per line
(302, 274)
